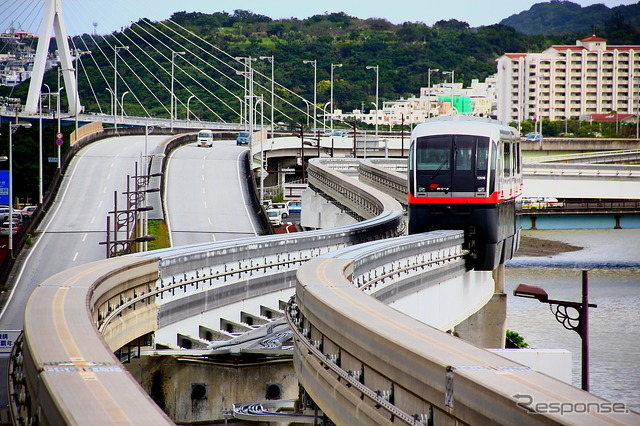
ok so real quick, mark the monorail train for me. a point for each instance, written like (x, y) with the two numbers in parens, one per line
(466, 173)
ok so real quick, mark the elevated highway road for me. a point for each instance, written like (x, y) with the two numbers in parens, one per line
(120, 300)
(207, 194)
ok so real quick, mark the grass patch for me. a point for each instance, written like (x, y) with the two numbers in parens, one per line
(161, 232)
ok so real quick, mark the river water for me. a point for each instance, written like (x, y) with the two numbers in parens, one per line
(612, 259)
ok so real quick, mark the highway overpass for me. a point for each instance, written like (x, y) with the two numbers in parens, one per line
(122, 294)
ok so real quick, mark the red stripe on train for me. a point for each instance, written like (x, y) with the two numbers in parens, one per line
(492, 199)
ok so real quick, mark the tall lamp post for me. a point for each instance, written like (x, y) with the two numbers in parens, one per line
(576, 320)
(40, 161)
(262, 171)
(77, 106)
(12, 128)
(60, 89)
(122, 105)
(173, 59)
(115, 85)
(331, 100)
(377, 69)
(315, 92)
(637, 108)
(429, 88)
(272, 60)
(188, 110)
(452, 78)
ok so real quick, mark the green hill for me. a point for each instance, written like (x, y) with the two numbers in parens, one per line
(561, 17)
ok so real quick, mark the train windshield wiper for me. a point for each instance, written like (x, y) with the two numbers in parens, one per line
(445, 161)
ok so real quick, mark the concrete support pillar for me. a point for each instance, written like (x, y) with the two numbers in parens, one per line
(487, 328)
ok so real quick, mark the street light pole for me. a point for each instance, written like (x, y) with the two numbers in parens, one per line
(40, 165)
(577, 322)
(77, 99)
(49, 95)
(12, 128)
(638, 108)
(452, 77)
(273, 61)
(331, 100)
(173, 58)
(377, 69)
(122, 105)
(115, 85)
(262, 168)
(60, 89)
(189, 100)
(429, 89)
(315, 87)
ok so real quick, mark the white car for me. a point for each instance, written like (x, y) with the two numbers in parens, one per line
(205, 138)
(275, 217)
(282, 207)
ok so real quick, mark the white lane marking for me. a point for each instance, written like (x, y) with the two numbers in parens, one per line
(93, 219)
(205, 205)
(210, 222)
(49, 220)
(164, 200)
(84, 237)
(75, 256)
(246, 207)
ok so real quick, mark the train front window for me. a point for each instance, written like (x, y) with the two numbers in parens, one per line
(451, 163)
(433, 153)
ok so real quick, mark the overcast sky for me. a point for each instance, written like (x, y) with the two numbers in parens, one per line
(112, 15)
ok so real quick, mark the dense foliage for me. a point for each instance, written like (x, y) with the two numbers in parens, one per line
(619, 24)
(404, 54)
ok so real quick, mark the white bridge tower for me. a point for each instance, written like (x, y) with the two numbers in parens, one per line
(52, 20)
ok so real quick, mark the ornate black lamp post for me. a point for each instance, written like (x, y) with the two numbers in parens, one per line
(572, 315)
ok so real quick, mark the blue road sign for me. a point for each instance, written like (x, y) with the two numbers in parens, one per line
(4, 186)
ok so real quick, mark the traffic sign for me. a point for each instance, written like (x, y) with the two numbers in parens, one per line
(59, 142)
(59, 135)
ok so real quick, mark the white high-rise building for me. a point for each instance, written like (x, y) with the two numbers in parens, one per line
(566, 82)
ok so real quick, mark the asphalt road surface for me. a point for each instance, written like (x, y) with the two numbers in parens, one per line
(74, 225)
(206, 195)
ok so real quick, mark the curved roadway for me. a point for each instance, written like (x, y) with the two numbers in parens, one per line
(74, 226)
(205, 195)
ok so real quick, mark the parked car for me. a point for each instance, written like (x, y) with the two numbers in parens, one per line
(29, 209)
(282, 207)
(535, 137)
(295, 206)
(4, 214)
(275, 217)
(4, 228)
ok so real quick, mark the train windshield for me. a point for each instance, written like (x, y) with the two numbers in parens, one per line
(451, 163)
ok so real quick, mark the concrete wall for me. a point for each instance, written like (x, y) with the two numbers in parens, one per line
(175, 384)
(319, 213)
(553, 362)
